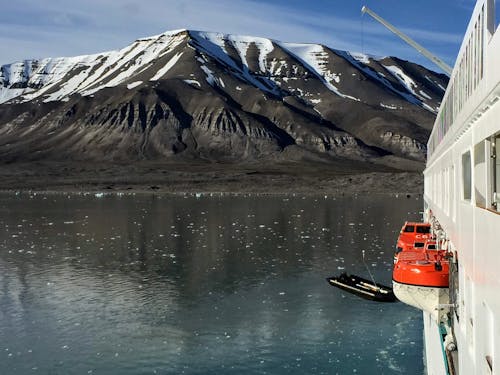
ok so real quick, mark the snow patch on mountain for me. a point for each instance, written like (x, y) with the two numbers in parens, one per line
(17, 72)
(138, 59)
(214, 44)
(132, 85)
(410, 85)
(315, 58)
(361, 57)
(167, 67)
(166, 33)
(388, 106)
(8, 94)
(443, 89)
(424, 94)
(53, 79)
(409, 95)
(242, 43)
(211, 79)
(403, 78)
(192, 82)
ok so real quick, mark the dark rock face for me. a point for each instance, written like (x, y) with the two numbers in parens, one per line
(202, 96)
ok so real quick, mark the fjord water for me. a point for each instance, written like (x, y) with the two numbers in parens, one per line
(209, 285)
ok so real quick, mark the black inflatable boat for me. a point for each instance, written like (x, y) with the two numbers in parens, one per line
(362, 287)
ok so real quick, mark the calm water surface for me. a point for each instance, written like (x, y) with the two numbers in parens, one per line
(210, 285)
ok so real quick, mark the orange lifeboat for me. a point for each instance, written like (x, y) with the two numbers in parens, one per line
(421, 279)
(413, 235)
(421, 269)
(429, 247)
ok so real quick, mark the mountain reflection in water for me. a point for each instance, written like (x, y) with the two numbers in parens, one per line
(210, 285)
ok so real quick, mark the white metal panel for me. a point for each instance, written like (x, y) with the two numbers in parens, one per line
(434, 356)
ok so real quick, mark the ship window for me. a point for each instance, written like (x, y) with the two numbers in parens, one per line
(497, 14)
(495, 155)
(489, 362)
(480, 175)
(409, 229)
(418, 244)
(423, 229)
(491, 15)
(431, 247)
(452, 193)
(466, 176)
(489, 344)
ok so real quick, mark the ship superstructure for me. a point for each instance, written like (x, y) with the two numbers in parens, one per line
(462, 201)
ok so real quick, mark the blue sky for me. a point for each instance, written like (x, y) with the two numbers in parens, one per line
(50, 28)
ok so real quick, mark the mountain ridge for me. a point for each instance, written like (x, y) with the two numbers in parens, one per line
(196, 95)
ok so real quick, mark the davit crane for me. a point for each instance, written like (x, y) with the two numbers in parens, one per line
(436, 60)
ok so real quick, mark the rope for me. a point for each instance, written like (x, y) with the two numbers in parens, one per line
(371, 276)
(362, 33)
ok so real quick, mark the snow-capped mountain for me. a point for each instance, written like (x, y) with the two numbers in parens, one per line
(216, 96)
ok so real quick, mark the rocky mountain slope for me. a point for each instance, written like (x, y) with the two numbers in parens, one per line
(198, 96)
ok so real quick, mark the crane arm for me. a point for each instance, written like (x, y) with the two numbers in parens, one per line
(436, 60)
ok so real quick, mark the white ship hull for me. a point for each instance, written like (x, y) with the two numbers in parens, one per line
(432, 300)
(462, 199)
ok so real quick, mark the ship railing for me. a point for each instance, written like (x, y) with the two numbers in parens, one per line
(474, 75)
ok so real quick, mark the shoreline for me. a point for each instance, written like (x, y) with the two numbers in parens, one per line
(184, 179)
(200, 194)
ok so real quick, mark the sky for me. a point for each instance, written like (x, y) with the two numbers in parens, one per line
(52, 28)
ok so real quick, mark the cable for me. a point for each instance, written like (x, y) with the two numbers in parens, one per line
(371, 276)
(362, 33)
